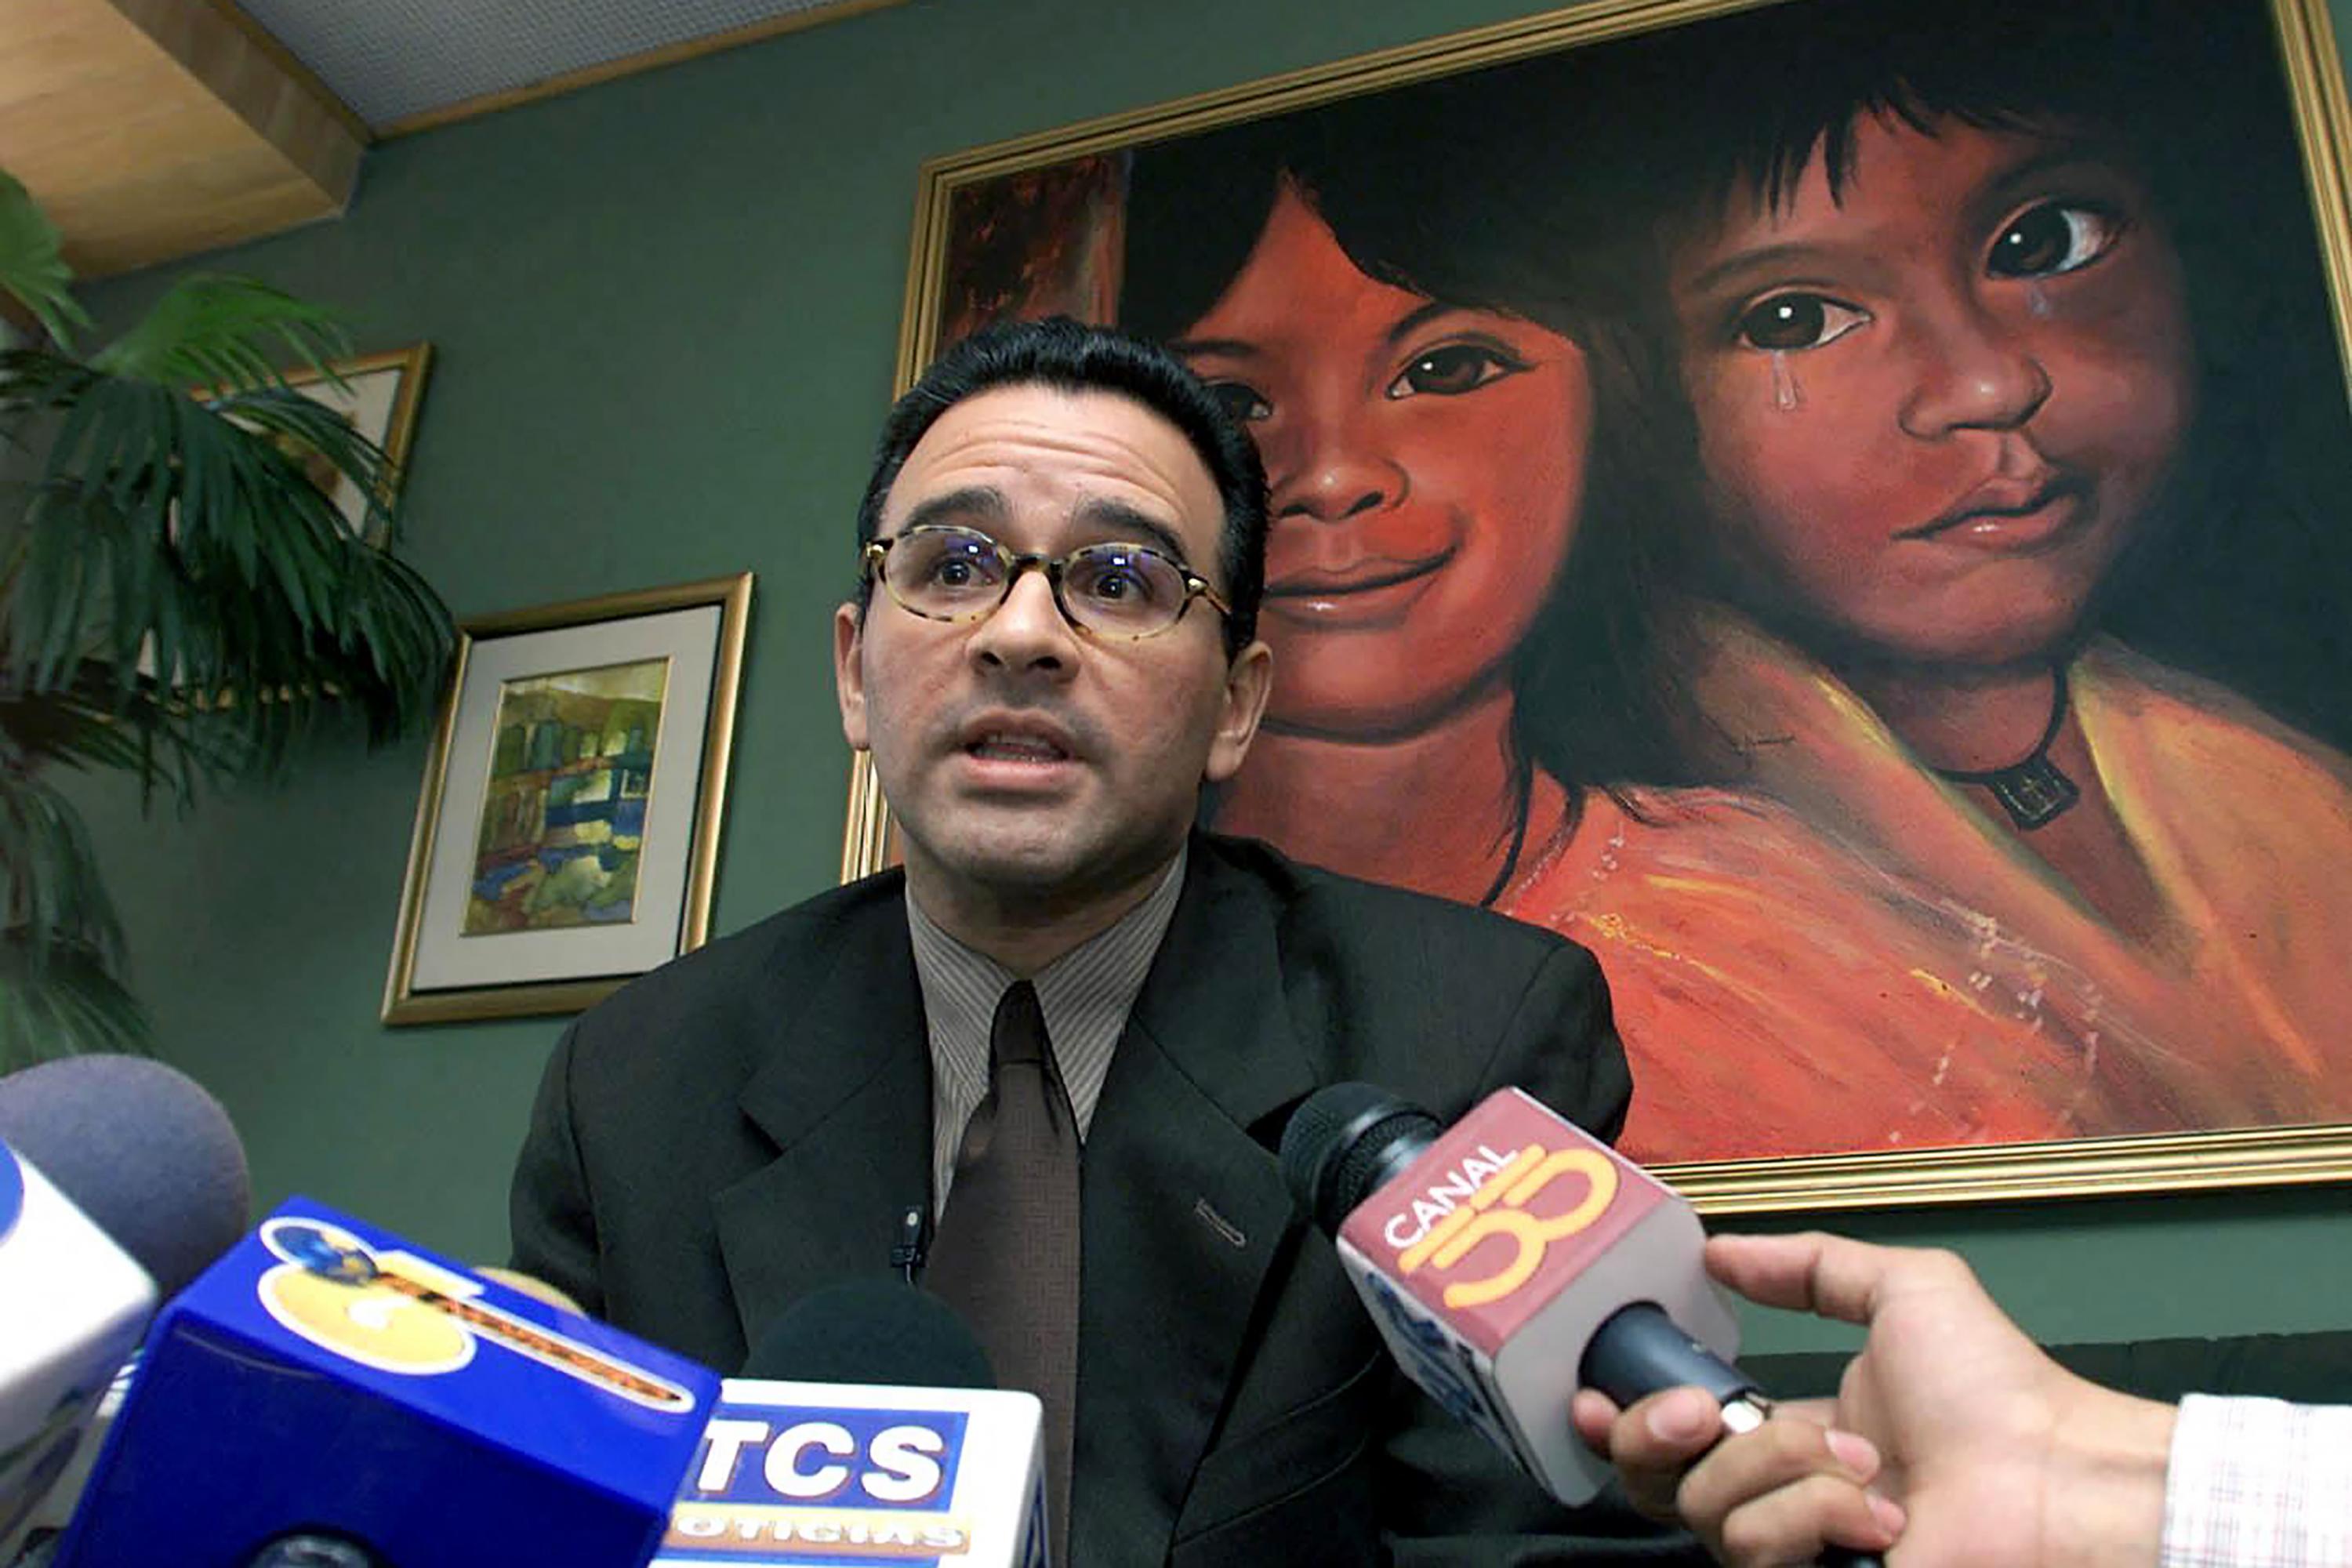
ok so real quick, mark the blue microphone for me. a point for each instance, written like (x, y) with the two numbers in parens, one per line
(329, 1396)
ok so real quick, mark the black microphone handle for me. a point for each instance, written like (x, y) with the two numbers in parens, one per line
(1640, 1351)
(314, 1549)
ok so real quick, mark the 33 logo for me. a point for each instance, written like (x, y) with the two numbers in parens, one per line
(1500, 1208)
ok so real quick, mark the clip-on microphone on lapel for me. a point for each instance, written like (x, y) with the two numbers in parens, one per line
(914, 1240)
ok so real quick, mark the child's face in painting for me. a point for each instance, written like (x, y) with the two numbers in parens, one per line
(1426, 463)
(1931, 412)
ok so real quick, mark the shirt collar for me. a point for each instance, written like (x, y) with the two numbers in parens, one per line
(1086, 995)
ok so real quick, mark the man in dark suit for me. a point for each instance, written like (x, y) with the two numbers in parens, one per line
(748, 1125)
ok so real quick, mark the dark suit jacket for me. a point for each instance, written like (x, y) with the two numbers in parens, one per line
(743, 1125)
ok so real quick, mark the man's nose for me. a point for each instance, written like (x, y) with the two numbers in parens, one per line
(1027, 632)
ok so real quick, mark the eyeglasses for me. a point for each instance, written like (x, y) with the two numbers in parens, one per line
(1117, 592)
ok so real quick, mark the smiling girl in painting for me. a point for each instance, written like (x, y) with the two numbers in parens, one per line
(1419, 381)
(1931, 315)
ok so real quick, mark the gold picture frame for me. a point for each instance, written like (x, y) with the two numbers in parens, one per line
(567, 830)
(380, 395)
(2311, 83)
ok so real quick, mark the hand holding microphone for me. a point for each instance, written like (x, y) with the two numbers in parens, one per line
(1513, 1259)
(2002, 1458)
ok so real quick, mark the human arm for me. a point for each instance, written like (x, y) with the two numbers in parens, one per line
(553, 1223)
(1994, 1455)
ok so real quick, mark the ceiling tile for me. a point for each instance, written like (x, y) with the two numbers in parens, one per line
(392, 60)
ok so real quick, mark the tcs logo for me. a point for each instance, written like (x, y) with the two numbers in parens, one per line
(1500, 1207)
(891, 1459)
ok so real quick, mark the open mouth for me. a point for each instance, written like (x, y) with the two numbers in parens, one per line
(999, 746)
(1016, 736)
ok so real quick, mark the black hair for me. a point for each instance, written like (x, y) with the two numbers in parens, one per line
(1444, 188)
(1803, 78)
(1450, 189)
(1069, 355)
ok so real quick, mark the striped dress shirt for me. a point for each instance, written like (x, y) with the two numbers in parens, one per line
(1086, 994)
(2258, 1483)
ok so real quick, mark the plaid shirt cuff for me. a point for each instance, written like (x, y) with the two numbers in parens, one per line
(2258, 1483)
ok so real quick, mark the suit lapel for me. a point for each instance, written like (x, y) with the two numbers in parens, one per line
(1185, 1211)
(844, 1096)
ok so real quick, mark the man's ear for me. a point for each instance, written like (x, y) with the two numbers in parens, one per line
(849, 672)
(1248, 679)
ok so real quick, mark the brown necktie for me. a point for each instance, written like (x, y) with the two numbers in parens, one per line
(1007, 1253)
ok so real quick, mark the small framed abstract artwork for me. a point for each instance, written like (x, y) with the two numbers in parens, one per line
(567, 834)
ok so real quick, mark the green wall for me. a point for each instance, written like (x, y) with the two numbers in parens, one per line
(665, 312)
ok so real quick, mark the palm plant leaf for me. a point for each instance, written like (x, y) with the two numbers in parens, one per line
(210, 330)
(49, 883)
(32, 269)
(178, 597)
(71, 1000)
(187, 533)
(144, 729)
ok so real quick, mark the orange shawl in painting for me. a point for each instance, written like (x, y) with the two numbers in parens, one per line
(1850, 956)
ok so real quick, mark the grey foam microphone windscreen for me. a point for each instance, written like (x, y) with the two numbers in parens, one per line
(140, 1147)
